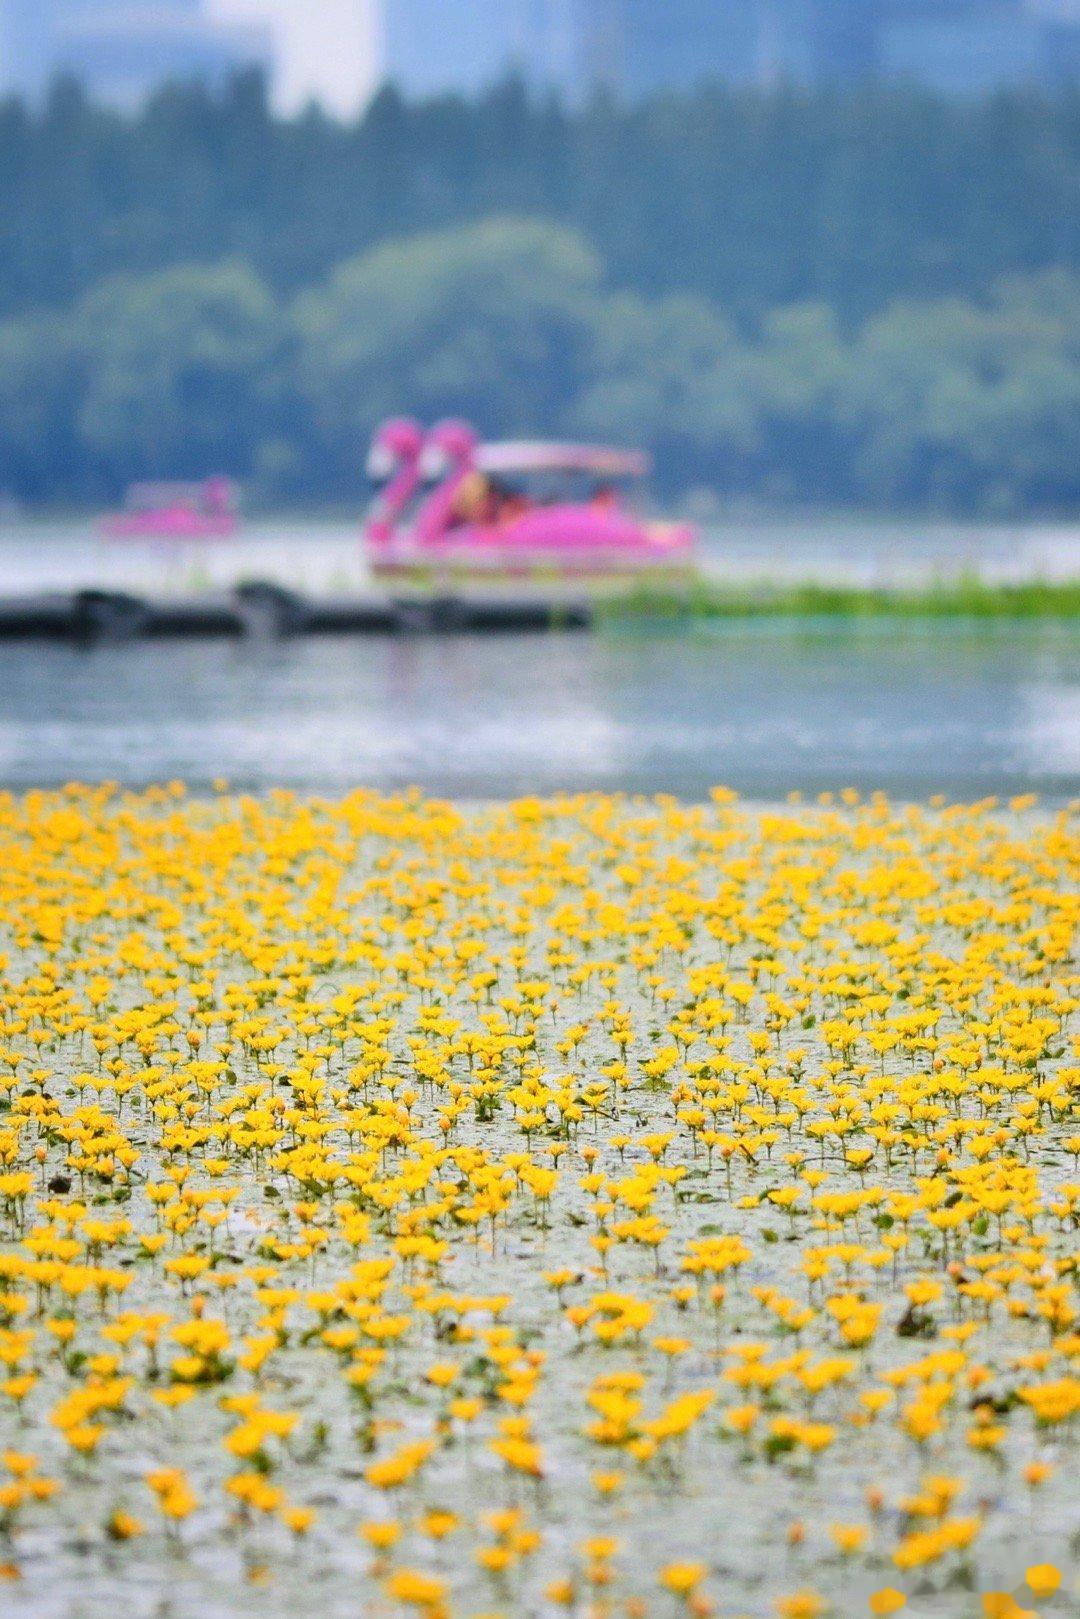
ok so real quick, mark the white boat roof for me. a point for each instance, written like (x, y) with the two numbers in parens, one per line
(529, 456)
(153, 493)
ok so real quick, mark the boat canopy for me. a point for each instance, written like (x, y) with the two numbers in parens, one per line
(217, 491)
(596, 459)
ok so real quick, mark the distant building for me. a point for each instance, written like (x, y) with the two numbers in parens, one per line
(956, 46)
(963, 48)
(23, 46)
(680, 44)
(639, 47)
(324, 52)
(335, 53)
(844, 40)
(120, 51)
(688, 42)
(568, 46)
(434, 46)
(431, 47)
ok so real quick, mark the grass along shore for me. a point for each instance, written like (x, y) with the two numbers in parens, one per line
(961, 597)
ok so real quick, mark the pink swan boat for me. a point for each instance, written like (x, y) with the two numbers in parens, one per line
(176, 511)
(452, 502)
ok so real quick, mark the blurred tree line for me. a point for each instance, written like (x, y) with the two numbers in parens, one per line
(871, 298)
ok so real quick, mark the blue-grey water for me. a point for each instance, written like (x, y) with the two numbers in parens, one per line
(765, 706)
(762, 708)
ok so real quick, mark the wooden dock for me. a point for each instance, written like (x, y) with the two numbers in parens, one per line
(259, 611)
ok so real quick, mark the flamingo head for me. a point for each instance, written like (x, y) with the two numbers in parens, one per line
(397, 443)
(450, 446)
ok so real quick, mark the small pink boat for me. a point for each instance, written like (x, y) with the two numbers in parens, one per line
(450, 502)
(176, 511)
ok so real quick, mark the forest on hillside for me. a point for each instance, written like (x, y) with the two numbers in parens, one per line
(870, 299)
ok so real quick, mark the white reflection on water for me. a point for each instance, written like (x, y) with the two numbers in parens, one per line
(337, 750)
(1050, 729)
(765, 710)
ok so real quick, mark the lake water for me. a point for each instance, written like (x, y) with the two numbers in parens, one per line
(326, 555)
(763, 706)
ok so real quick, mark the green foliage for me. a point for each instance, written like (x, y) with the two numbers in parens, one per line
(801, 298)
(492, 322)
(940, 402)
(961, 598)
(175, 364)
(752, 201)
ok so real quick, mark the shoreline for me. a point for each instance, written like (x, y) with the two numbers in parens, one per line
(963, 598)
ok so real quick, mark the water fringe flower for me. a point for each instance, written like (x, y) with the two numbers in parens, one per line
(512, 1201)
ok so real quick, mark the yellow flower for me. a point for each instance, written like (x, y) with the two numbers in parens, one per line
(381, 1535)
(308, 1079)
(848, 1537)
(682, 1578)
(398, 1469)
(20, 1463)
(600, 1548)
(561, 1592)
(178, 1502)
(494, 1558)
(84, 1437)
(1043, 1579)
(1001, 1605)
(443, 1374)
(741, 1418)
(439, 1524)
(416, 1589)
(123, 1526)
(887, 1600)
(174, 1397)
(803, 1605)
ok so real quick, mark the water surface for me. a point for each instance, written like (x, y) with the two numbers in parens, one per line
(326, 555)
(763, 706)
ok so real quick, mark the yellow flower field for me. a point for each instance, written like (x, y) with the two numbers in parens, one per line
(599, 1205)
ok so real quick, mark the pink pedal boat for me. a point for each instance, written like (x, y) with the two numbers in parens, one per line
(176, 511)
(452, 504)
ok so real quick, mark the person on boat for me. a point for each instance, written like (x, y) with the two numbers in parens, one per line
(509, 502)
(487, 501)
(472, 500)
